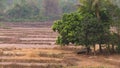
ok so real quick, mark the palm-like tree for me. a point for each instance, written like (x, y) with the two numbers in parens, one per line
(94, 6)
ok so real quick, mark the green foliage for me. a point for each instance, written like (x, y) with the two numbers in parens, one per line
(23, 11)
(79, 29)
(88, 26)
(118, 48)
(117, 42)
(2, 7)
(34, 10)
(65, 28)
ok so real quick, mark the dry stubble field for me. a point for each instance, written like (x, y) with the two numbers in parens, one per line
(32, 45)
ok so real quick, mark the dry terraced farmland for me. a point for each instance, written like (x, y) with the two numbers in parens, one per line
(32, 45)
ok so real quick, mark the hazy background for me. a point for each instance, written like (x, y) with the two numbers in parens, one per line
(35, 10)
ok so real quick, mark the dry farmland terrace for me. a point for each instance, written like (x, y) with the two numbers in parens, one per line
(32, 45)
(27, 35)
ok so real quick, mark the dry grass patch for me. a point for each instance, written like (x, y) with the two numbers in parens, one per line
(31, 66)
(88, 67)
(44, 53)
(32, 54)
(1, 52)
(31, 60)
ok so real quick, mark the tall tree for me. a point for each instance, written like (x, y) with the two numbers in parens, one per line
(2, 6)
(89, 26)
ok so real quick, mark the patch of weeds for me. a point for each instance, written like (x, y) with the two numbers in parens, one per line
(51, 55)
(72, 67)
(86, 67)
(95, 67)
(4, 26)
(1, 24)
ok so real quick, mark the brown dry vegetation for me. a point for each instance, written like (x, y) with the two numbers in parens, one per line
(34, 47)
(56, 57)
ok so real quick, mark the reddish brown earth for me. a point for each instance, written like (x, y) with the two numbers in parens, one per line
(32, 45)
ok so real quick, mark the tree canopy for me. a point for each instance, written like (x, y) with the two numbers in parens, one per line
(88, 26)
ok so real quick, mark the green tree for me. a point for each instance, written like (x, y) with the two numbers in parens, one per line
(88, 26)
(2, 6)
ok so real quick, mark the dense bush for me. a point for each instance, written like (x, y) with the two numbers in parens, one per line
(81, 29)
(66, 28)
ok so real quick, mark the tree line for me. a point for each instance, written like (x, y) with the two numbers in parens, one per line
(35, 10)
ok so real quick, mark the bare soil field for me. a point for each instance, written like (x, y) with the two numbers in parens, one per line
(32, 45)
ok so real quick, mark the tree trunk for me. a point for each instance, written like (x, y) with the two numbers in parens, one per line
(88, 49)
(113, 50)
(108, 48)
(100, 48)
(94, 49)
(97, 10)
